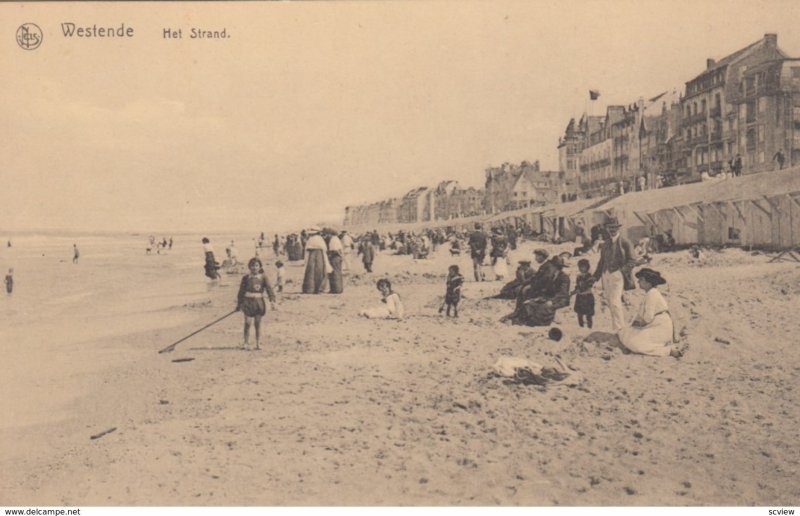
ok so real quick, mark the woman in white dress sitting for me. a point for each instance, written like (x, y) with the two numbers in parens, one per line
(651, 332)
(392, 308)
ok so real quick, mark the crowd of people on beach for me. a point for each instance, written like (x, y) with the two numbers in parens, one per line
(539, 291)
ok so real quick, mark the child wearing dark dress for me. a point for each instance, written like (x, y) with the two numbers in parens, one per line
(251, 299)
(584, 299)
(453, 294)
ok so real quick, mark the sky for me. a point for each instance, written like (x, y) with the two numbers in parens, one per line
(312, 106)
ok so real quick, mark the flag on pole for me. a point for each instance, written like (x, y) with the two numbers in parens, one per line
(594, 94)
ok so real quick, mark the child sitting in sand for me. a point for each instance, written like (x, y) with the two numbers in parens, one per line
(251, 299)
(453, 294)
(393, 308)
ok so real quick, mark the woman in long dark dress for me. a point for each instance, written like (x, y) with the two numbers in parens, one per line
(317, 264)
(212, 266)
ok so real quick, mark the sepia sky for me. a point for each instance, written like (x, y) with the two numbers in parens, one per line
(311, 106)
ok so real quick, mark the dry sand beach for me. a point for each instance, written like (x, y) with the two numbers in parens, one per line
(340, 410)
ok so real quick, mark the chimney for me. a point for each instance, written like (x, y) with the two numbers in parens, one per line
(771, 40)
(710, 63)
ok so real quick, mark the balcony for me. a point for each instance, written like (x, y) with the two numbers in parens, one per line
(715, 112)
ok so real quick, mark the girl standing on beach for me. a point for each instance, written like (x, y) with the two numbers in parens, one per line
(251, 299)
(453, 293)
(584, 298)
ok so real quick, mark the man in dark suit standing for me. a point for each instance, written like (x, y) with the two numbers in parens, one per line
(477, 250)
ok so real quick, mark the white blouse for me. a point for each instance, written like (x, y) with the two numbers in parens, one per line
(653, 304)
(395, 306)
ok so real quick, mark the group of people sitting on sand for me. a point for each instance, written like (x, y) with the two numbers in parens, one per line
(538, 291)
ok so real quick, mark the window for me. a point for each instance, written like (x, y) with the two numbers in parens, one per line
(750, 111)
(703, 106)
(751, 139)
(760, 134)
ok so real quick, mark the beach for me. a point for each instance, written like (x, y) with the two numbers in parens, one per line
(341, 410)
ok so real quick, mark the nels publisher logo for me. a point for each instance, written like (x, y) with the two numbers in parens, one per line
(29, 36)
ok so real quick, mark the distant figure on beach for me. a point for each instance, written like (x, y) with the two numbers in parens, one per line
(10, 281)
(393, 307)
(212, 266)
(453, 291)
(170, 243)
(584, 299)
(276, 245)
(652, 330)
(616, 263)
(477, 250)
(347, 249)
(234, 254)
(250, 300)
(736, 165)
(779, 158)
(367, 252)
(75, 253)
(9, 243)
(335, 257)
(317, 264)
(499, 254)
(279, 278)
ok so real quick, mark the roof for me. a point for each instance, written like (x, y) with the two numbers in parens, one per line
(753, 186)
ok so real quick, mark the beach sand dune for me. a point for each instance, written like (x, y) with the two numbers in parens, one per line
(341, 410)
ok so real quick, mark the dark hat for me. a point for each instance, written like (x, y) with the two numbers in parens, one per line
(524, 262)
(559, 262)
(478, 225)
(541, 252)
(613, 222)
(652, 277)
(555, 334)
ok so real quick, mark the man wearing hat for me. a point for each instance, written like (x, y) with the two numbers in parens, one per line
(477, 249)
(616, 261)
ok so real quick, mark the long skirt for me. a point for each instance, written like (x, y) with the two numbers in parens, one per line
(535, 314)
(509, 291)
(654, 339)
(295, 252)
(211, 266)
(500, 267)
(314, 280)
(337, 285)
